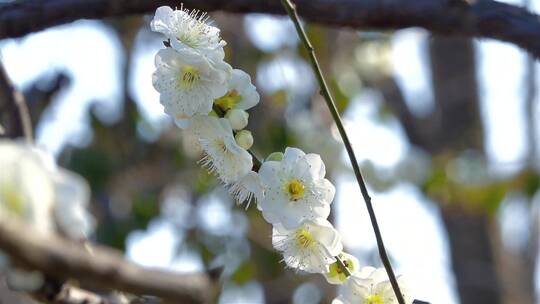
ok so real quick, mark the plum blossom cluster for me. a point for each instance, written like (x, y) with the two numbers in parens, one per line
(206, 96)
(50, 199)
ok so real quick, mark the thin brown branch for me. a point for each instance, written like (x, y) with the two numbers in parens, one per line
(95, 265)
(54, 292)
(478, 18)
(325, 92)
(67, 294)
(13, 108)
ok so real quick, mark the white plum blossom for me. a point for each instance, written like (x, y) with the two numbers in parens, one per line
(241, 93)
(370, 286)
(36, 191)
(295, 189)
(26, 185)
(311, 247)
(336, 275)
(247, 188)
(72, 195)
(188, 83)
(189, 30)
(224, 157)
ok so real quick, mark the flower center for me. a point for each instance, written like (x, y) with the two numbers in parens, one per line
(295, 189)
(12, 200)
(374, 299)
(229, 100)
(336, 268)
(220, 144)
(190, 75)
(193, 28)
(304, 239)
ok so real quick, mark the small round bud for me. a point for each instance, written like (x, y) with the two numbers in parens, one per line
(276, 156)
(244, 139)
(238, 118)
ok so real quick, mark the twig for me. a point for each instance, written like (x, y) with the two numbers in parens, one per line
(291, 10)
(58, 293)
(55, 292)
(11, 98)
(95, 265)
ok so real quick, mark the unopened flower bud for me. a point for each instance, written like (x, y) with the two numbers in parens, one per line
(238, 118)
(276, 156)
(244, 139)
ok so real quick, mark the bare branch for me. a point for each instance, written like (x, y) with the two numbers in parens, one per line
(13, 108)
(95, 265)
(325, 92)
(55, 293)
(468, 18)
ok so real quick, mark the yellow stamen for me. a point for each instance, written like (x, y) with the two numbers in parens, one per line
(229, 100)
(190, 75)
(295, 189)
(304, 239)
(374, 299)
(335, 270)
(220, 143)
(12, 200)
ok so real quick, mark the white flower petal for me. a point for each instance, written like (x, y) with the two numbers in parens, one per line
(35, 190)
(241, 82)
(188, 30)
(316, 169)
(292, 193)
(26, 186)
(188, 83)
(301, 247)
(370, 284)
(291, 156)
(247, 188)
(268, 171)
(72, 195)
(224, 157)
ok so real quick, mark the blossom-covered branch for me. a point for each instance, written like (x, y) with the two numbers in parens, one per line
(482, 18)
(207, 97)
(95, 265)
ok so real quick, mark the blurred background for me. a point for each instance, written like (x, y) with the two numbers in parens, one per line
(445, 128)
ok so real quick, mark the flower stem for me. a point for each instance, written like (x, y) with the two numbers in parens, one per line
(291, 11)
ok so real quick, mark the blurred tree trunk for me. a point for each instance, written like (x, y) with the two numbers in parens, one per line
(472, 257)
(458, 127)
(486, 271)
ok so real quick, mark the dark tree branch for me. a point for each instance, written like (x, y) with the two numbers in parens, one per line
(469, 18)
(95, 265)
(66, 294)
(55, 292)
(13, 109)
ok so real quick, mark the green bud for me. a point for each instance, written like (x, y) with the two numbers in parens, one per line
(276, 156)
(244, 139)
